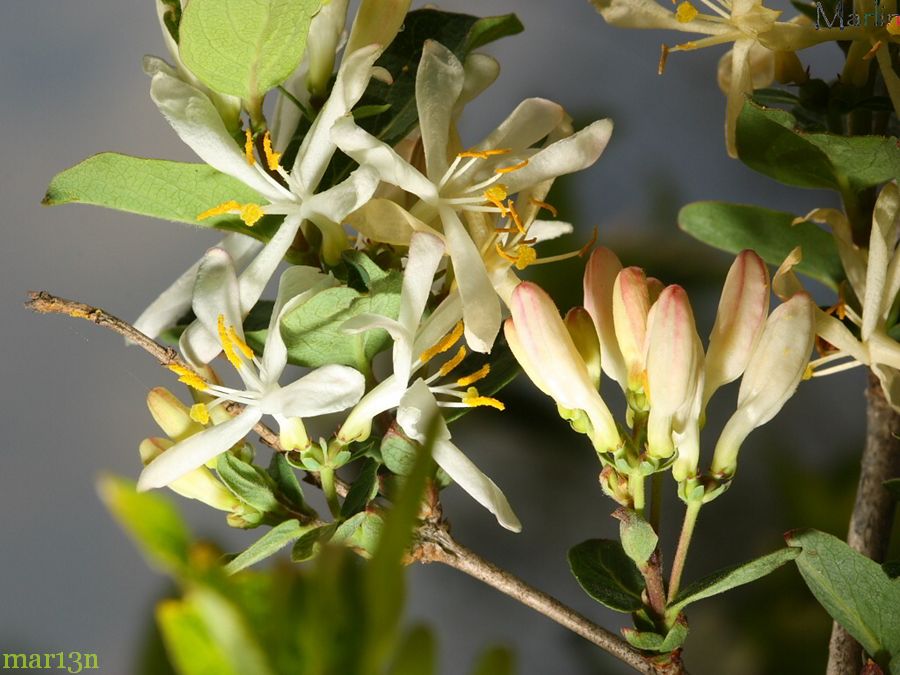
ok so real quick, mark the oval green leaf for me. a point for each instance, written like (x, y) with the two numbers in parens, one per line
(607, 574)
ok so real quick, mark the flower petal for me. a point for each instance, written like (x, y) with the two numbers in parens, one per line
(257, 274)
(385, 221)
(439, 82)
(197, 450)
(740, 86)
(528, 123)
(325, 390)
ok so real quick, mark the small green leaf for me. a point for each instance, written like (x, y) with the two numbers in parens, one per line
(286, 483)
(732, 577)
(157, 188)
(853, 589)
(416, 654)
(313, 332)
(490, 29)
(735, 227)
(607, 574)
(249, 483)
(676, 635)
(495, 661)
(151, 520)
(309, 545)
(361, 531)
(268, 545)
(363, 490)
(398, 451)
(768, 142)
(637, 536)
(188, 642)
(245, 48)
(646, 640)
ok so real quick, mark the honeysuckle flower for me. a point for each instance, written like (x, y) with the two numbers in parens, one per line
(324, 390)
(544, 348)
(459, 193)
(771, 377)
(874, 276)
(415, 395)
(196, 121)
(746, 23)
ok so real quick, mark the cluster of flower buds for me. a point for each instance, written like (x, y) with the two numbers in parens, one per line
(643, 336)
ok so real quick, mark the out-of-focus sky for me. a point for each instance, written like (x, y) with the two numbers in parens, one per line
(72, 396)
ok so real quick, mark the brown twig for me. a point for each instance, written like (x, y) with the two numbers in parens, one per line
(436, 545)
(873, 512)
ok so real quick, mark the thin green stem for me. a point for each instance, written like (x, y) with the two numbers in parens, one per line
(326, 475)
(684, 543)
(656, 485)
(636, 489)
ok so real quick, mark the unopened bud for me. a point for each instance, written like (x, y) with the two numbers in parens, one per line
(599, 280)
(584, 335)
(631, 304)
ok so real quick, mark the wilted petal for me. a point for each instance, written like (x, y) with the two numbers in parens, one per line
(740, 319)
(785, 282)
(775, 369)
(882, 243)
(599, 281)
(197, 450)
(571, 154)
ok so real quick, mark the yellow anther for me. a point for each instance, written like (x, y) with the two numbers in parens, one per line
(478, 375)
(251, 213)
(588, 246)
(808, 373)
(686, 12)
(455, 361)
(239, 343)
(503, 254)
(443, 344)
(473, 399)
(248, 147)
(200, 413)
(227, 344)
(514, 215)
(663, 57)
(220, 210)
(188, 377)
(273, 159)
(496, 193)
(893, 26)
(514, 167)
(545, 206)
(484, 154)
(525, 256)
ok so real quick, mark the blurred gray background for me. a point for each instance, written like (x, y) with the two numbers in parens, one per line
(73, 395)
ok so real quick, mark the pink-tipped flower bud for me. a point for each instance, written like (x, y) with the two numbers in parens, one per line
(631, 304)
(584, 335)
(599, 280)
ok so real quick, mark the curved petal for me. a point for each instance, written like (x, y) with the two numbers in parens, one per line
(175, 301)
(257, 274)
(481, 307)
(384, 396)
(324, 390)
(197, 122)
(570, 154)
(439, 82)
(385, 221)
(882, 242)
(216, 292)
(545, 230)
(337, 202)
(528, 123)
(481, 71)
(197, 450)
(364, 148)
(740, 86)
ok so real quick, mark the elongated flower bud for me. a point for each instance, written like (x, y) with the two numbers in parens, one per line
(739, 322)
(172, 416)
(599, 280)
(674, 366)
(771, 377)
(631, 304)
(539, 339)
(584, 335)
(199, 484)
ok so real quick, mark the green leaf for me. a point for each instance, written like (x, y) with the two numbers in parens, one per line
(416, 654)
(735, 227)
(398, 452)
(361, 531)
(460, 33)
(655, 642)
(268, 545)
(853, 589)
(151, 520)
(309, 545)
(638, 538)
(768, 142)
(495, 661)
(286, 483)
(249, 483)
(732, 577)
(242, 47)
(363, 490)
(313, 332)
(188, 641)
(607, 574)
(158, 188)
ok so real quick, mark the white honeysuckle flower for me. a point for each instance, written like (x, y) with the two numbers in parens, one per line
(771, 378)
(740, 319)
(674, 370)
(874, 276)
(197, 122)
(325, 390)
(416, 397)
(476, 182)
(544, 348)
(746, 23)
